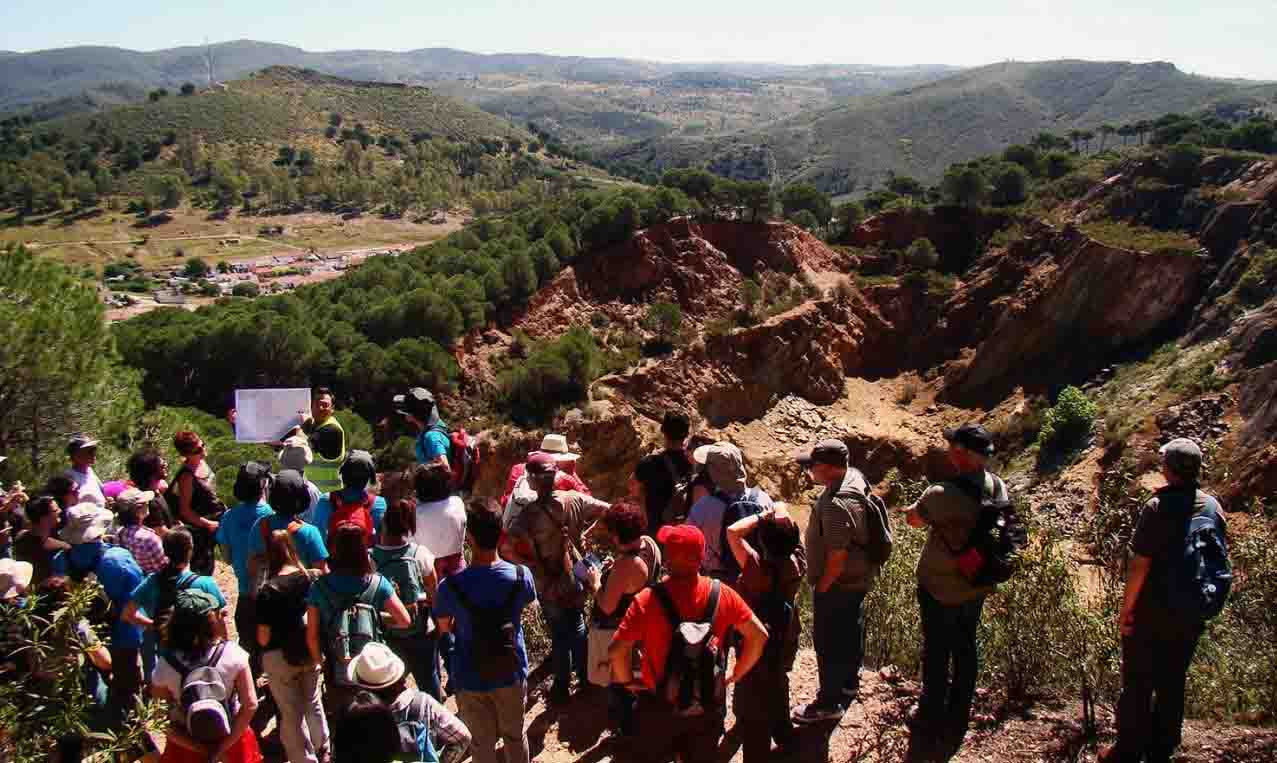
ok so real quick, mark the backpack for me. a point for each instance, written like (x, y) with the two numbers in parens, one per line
(165, 601)
(463, 459)
(991, 554)
(877, 525)
(205, 698)
(680, 497)
(415, 742)
(696, 668)
(400, 567)
(737, 509)
(777, 613)
(356, 624)
(494, 643)
(1201, 577)
(359, 513)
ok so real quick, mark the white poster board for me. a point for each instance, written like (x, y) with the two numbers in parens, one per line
(266, 415)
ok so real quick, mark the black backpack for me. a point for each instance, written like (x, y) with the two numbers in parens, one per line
(696, 668)
(991, 554)
(877, 525)
(494, 643)
(737, 509)
(1201, 576)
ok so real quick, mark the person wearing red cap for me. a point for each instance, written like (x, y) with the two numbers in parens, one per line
(546, 536)
(665, 733)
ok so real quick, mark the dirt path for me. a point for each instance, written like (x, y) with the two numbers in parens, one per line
(271, 241)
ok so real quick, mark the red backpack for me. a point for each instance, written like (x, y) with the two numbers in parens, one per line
(359, 513)
(463, 460)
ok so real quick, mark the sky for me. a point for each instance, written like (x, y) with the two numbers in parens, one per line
(1225, 38)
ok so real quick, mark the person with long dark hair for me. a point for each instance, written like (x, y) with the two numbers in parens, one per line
(36, 543)
(366, 731)
(212, 729)
(281, 633)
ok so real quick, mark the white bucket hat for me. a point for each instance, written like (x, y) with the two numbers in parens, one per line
(376, 667)
(14, 575)
(86, 523)
(557, 445)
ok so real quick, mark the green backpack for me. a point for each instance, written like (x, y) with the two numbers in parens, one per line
(400, 566)
(356, 624)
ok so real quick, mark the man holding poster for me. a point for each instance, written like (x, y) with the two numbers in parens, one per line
(327, 442)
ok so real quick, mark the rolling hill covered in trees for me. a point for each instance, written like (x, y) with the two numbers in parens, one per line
(922, 130)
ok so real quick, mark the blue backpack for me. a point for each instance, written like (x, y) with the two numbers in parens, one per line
(1202, 576)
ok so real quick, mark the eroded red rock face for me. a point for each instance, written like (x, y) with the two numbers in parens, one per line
(698, 266)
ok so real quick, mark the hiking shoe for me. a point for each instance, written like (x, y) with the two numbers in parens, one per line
(814, 713)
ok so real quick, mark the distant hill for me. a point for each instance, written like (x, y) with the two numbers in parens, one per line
(585, 100)
(922, 130)
(285, 104)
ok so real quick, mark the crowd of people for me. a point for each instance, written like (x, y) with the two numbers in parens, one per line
(659, 602)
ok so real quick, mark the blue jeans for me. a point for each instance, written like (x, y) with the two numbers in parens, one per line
(568, 644)
(838, 633)
(420, 656)
(948, 638)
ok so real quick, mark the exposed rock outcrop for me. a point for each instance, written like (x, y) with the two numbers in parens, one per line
(957, 232)
(1081, 301)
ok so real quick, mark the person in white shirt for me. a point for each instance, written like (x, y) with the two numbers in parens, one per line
(441, 519)
(83, 451)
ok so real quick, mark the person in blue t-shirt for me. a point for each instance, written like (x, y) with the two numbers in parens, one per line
(235, 534)
(290, 498)
(357, 473)
(351, 573)
(118, 574)
(145, 605)
(422, 414)
(489, 708)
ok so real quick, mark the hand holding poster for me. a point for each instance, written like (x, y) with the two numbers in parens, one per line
(266, 415)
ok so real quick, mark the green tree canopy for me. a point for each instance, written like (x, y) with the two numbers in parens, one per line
(804, 196)
(965, 186)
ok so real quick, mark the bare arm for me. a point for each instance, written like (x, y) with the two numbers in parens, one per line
(445, 624)
(263, 635)
(312, 634)
(100, 656)
(176, 733)
(833, 568)
(133, 616)
(1135, 578)
(628, 575)
(621, 655)
(247, 708)
(736, 534)
(399, 617)
(755, 638)
(185, 494)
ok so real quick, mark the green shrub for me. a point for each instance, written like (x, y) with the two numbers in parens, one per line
(555, 374)
(1068, 422)
(1256, 284)
(922, 254)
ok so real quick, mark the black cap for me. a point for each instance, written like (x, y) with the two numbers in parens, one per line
(973, 437)
(830, 452)
(248, 483)
(419, 402)
(358, 469)
(288, 493)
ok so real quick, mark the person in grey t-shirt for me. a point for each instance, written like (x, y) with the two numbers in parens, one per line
(840, 576)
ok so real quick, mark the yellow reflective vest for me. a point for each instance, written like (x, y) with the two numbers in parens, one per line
(326, 473)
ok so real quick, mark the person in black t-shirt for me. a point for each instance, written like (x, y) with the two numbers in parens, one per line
(656, 475)
(1157, 646)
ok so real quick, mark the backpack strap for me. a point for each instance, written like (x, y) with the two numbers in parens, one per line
(662, 595)
(711, 607)
(513, 596)
(675, 477)
(370, 592)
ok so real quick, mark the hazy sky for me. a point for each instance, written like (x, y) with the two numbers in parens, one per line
(1220, 38)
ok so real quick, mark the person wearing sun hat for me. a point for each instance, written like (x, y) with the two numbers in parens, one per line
(949, 602)
(83, 452)
(725, 466)
(556, 446)
(119, 574)
(379, 670)
(546, 536)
